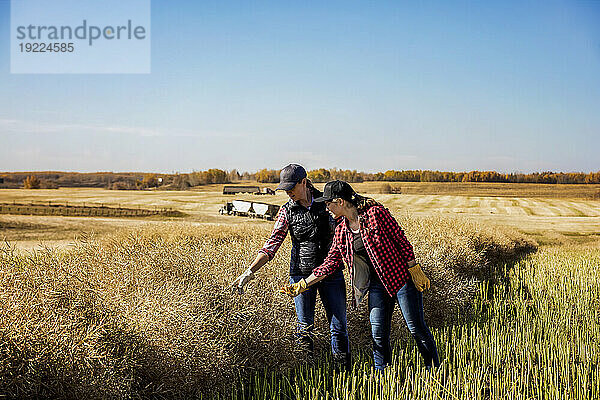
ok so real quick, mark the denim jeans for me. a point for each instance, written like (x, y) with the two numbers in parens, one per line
(332, 291)
(381, 306)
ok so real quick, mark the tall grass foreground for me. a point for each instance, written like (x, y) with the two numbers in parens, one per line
(149, 312)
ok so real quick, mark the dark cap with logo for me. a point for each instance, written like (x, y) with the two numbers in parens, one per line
(336, 190)
(290, 175)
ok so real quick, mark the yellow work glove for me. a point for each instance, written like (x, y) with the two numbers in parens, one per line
(419, 278)
(295, 289)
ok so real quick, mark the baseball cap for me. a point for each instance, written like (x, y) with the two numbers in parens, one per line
(290, 175)
(335, 190)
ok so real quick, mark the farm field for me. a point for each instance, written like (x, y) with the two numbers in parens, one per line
(560, 217)
(143, 306)
(534, 335)
(453, 252)
(486, 189)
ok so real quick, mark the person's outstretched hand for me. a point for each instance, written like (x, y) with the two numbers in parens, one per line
(242, 280)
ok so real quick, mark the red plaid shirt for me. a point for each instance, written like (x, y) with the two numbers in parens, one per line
(388, 248)
(280, 230)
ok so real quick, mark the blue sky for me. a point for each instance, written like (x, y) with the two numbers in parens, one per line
(447, 85)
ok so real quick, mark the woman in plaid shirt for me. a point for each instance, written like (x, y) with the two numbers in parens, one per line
(381, 262)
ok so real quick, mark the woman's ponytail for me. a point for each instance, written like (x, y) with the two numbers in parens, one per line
(363, 203)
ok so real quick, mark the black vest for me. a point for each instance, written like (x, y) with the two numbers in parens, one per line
(311, 232)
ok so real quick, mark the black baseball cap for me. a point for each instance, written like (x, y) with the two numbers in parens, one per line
(336, 190)
(290, 175)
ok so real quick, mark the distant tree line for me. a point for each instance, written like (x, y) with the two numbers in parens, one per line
(179, 181)
(115, 181)
(70, 179)
(325, 175)
(32, 182)
(484, 176)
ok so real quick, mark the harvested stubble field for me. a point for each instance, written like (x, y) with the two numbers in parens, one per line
(490, 189)
(533, 334)
(550, 213)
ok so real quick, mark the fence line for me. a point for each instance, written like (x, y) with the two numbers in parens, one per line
(79, 211)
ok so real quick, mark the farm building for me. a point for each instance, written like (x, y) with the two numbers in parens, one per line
(240, 189)
(247, 189)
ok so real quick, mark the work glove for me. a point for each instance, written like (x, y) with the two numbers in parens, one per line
(295, 289)
(419, 278)
(242, 281)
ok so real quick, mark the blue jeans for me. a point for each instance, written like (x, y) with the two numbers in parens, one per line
(332, 291)
(381, 306)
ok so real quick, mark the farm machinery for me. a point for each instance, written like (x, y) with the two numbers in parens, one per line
(250, 209)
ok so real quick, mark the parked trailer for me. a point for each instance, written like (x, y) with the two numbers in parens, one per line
(264, 210)
(250, 209)
(241, 207)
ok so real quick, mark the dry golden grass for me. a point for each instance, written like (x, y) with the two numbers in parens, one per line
(148, 312)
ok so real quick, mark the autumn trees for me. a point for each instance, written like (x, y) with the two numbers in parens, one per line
(31, 182)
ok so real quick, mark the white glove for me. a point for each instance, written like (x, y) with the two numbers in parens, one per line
(242, 281)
